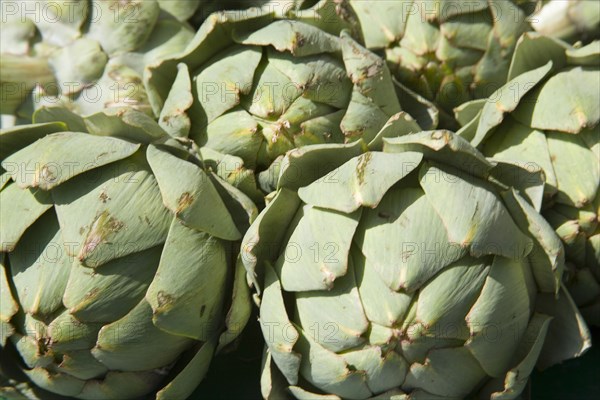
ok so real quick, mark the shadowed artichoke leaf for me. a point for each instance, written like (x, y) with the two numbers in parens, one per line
(174, 118)
(515, 142)
(59, 383)
(123, 344)
(547, 254)
(191, 305)
(264, 238)
(533, 51)
(27, 205)
(550, 107)
(446, 299)
(117, 384)
(279, 332)
(304, 165)
(500, 315)
(221, 84)
(186, 380)
(332, 373)
(18, 137)
(82, 365)
(50, 115)
(40, 267)
(126, 123)
(578, 182)
(442, 146)
(295, 37)
(399, 124)
(317, 250)
(384, 371)
(109, 293)
(381, 304)
(527, 179)
(472, 213)
(240, 310)
(527, 354)
(342, 304)
(568, 335)
(506, 100)
(8, 304)
(439, 375)
(415, 243)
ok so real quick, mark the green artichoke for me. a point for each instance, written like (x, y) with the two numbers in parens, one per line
(408, 273)
(548, 115)
(84, 55)
(448, 52)
(255, 86)
(571, 20)
(120, 269)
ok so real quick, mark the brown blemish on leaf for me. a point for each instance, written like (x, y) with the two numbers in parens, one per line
(185, 200)
(373, 69)
(92, 293)
(44, 344)
(501, 107)
(101, 228)
(45, 175)
(163, 299)
(441, 135)
(354, 133)
(363, 160)
(299, 40)
(103, 197)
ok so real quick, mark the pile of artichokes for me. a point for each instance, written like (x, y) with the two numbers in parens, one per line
(394, 199)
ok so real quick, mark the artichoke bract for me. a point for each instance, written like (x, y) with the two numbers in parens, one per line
(548, 115)
(412, 271)
(81, 54)
(120, 268)
(448, 52)
(254, 86)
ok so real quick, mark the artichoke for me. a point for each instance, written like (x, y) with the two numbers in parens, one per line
(120, 268)
(448, 52)
(84, 55)
(548, 115)
(255, 86)
(571, 20)
(408, 273)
